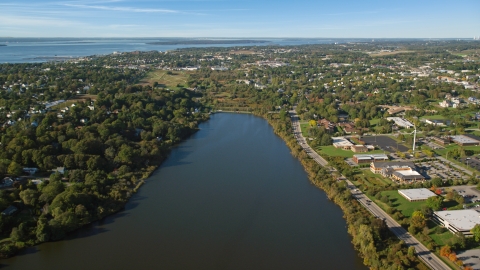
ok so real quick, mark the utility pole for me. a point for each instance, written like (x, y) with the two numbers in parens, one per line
(414, 137)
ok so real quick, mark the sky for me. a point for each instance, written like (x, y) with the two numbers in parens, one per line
(245, 18)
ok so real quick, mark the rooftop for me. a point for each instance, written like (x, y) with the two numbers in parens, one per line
(416, 193)
(370, 156)
(341, 141)
(463, 220)
(463, 139)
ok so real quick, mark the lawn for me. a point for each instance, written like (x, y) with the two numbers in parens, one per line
(434, 117)
(374, 122)
(332, 151)
(400, 203)
(166, 78)
(304, 127)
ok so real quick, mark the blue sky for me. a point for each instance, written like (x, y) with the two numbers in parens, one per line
(229, 18)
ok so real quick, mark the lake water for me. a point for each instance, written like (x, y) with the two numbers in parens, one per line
(28, 50)
(230, 197)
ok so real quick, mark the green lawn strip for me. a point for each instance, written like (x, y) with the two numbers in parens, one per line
(304, 127)
(434, 117)
(400, 203)
(332, 151)
(384, 181)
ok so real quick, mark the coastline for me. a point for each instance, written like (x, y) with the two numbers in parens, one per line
(321, 178)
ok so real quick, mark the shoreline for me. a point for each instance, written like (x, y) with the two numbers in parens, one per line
(321, 178)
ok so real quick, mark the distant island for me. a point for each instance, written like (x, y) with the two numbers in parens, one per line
(207, 41)
(3, 44)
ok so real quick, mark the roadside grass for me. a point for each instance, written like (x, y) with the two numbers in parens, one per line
(380, 180)
(166, 78)
(400, 203)
(304, 126)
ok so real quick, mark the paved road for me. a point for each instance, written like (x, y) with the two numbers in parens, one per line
(297, 131)
(423, 253)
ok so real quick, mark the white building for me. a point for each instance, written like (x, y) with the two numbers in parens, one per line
(458, 220)
(416, 194)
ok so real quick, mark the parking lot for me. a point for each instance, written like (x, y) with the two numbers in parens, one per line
(470, 257)
(432, 169)
(469, 193)
(472, 162)
(385, 143)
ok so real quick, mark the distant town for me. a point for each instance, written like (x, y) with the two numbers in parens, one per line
(400, 121)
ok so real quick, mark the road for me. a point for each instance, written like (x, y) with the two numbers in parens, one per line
(429, 258)
(422, 252)
(297, 132)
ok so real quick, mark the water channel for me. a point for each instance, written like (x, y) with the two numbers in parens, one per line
(230, 197)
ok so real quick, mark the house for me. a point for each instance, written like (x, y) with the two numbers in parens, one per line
(445, 104)
(60, 170)
(329, 126)
(30, 171)
(6, 182)
(9, 211)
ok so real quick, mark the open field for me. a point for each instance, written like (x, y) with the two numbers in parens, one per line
(166, 78)
(332, 151)
(400, 203)
(388, 53)
(434, 117)
(243, 52)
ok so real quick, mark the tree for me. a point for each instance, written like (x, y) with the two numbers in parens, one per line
(476, 232)
(435, 203)
(445, 251)
(14, 168)
(29, 196)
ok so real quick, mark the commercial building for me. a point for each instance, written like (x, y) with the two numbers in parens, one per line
(442, 141)
(342, 143)
(458, 220)
(359, 149)
(368, 158)
(464, 140)
(401, 122)
(398, 171)
(416, 194)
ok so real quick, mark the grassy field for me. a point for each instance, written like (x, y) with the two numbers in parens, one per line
(400, 203)
(389, 53)
(166, 78)
(434, 117)
(304, 126)
(374, 122)
(452, 146)
(332, 151)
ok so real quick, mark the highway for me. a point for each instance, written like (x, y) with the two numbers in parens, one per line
(428, 257)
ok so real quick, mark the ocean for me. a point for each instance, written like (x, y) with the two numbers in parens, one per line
(31, 50)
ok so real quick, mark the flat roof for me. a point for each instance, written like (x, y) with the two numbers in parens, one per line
(463, 139)
(375, 156)
(416, 193)
(400, 121)
(463, 220)
(394, 164)
(341, 141)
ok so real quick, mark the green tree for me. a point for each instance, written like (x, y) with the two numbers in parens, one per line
(14, 168)
(476, 232)
(29, 197)
(435, 203)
